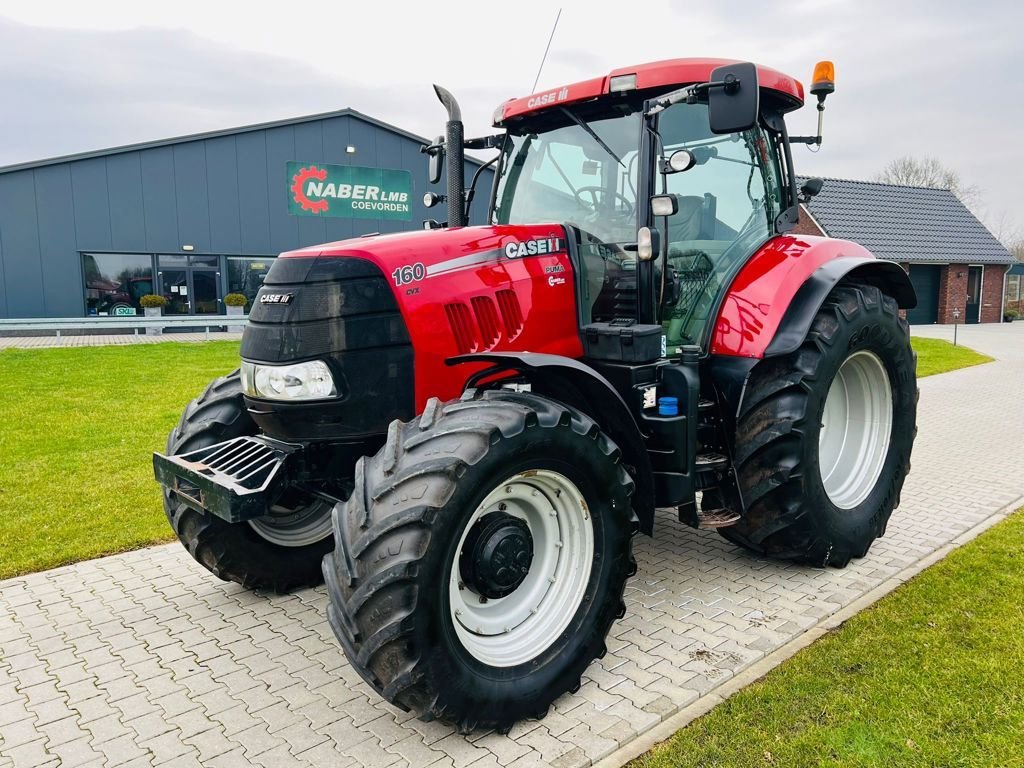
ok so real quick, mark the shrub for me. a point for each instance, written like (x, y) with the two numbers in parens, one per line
(152, 301)
(236, 300)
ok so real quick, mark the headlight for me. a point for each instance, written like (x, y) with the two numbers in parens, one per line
(298, 381)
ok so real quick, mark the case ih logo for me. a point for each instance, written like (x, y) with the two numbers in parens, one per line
(349, 191)
(548, 98)
(537, 247)
(276, 298)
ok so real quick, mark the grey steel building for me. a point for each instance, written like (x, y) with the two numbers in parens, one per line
(197, 217)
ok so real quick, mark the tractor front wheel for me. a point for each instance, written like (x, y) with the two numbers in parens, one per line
(824, 434)
(278, 552)
(481, 558)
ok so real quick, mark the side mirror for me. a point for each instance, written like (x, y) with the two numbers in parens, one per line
(734, 105)
(811, 187)
(435, 161)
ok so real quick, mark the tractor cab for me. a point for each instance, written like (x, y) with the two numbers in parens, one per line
(668, 187)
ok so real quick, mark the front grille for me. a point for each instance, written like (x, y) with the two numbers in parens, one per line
(347, 307)
(343, 311)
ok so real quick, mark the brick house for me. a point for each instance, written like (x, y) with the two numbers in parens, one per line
(953, 261)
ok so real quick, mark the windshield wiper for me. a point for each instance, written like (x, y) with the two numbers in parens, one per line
(596, 138)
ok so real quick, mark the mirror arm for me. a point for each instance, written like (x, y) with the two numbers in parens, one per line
(476, 176)
(691, 92)
(485, 142)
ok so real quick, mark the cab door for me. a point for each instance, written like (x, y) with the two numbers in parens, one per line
(726, 208)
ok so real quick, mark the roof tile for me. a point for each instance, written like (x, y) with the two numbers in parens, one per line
(909, 224)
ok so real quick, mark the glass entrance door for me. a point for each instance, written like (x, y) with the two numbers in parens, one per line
(174, 287)
(205, 293)
(190, 290)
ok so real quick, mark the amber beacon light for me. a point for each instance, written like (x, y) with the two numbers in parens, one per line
(824, 81)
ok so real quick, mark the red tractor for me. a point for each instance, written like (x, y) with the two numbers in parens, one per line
(467, 425)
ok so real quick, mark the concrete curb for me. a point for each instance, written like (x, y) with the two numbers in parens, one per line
(664, 730)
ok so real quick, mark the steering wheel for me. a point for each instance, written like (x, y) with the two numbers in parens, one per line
(597, 194)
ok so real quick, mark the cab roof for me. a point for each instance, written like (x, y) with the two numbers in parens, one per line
(655, 75)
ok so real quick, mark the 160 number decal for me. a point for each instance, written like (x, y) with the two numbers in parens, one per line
(410, 273)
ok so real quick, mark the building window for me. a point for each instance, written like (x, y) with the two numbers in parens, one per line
(114, 283)
(245, 276)
(1013, 288)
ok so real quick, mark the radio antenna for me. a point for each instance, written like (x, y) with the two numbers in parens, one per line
(546, 49)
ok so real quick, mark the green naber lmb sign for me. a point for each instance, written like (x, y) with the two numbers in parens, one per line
(349, 191)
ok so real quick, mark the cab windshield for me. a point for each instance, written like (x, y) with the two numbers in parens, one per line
(583, 173)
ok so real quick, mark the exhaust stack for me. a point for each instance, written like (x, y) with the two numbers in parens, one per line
(453, 138)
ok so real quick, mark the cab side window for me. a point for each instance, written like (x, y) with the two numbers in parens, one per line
(727, 204)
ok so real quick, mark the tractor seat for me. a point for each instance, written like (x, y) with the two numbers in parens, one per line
(686, 224)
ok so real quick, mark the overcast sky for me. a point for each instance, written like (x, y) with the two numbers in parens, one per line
(930, 77)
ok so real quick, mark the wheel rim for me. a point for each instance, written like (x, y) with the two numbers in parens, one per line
(513, 629)
(295, 528)
(856, 425)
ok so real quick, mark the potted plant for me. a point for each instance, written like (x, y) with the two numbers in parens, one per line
(153, 304)
(1010, 315)
(235, 303)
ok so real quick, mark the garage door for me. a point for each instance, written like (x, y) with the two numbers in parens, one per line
(926, 283)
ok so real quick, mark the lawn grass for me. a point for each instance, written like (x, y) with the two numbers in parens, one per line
(929, 676)
(938, 356)
(77, 427)
(77, 430)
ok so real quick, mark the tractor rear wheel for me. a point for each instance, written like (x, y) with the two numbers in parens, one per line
(279, 552)
(481, 558)
(824, 434)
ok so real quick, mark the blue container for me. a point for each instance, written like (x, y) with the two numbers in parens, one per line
(668, 406)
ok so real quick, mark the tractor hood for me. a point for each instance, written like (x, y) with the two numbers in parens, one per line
(442, 251)
(371, 304)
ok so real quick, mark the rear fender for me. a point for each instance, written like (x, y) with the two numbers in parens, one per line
(778, 291)
(888, 277)
(580, 386)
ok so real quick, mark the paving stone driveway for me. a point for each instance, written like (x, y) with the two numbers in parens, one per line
(145, 659)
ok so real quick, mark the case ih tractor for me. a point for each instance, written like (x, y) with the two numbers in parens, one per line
(461, 429)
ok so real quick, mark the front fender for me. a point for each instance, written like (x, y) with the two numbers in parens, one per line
(770, 304)
(578, 385)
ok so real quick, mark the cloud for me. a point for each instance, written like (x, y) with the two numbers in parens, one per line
(919, 78)
(76, 90)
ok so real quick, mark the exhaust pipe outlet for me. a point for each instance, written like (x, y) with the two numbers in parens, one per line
(455, 152)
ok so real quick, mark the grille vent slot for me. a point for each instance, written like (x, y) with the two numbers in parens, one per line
(461, 323)
(511, 314)
(486, 320)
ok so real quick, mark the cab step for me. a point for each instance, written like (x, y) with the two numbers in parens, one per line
(711, 460)
(717, 518)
